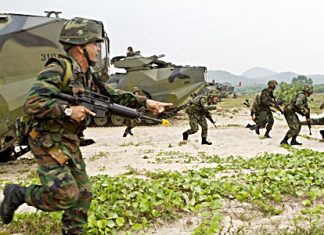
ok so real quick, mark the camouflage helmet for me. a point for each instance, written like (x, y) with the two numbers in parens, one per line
(80, 31)
(135, 89)
(212, 93)
(308, 89)
(272, 83)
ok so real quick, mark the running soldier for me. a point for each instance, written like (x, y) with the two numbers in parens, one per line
(263, 117)
(54, 139)
(298, 105)
(197, 110)
(131, 123)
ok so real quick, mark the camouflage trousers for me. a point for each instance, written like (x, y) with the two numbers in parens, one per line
(318, 121)
(293, 123)
(195, 120)
(64, 187)
(265, 119)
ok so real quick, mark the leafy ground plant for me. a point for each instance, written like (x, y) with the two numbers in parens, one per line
(134, 202)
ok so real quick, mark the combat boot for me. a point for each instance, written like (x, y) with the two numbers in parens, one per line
(127, 131)
(14, 196)
(267, 134)
(125, 134)
(294, 141)
(322, 133)
(86, 142)
(251, 127)
(204, 141)
(185, 135)
(257, 130)
(284, 141)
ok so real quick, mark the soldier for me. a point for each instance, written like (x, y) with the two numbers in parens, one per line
(54, 140)
(130, 52)
(131, 123)
(265, 118)
(255, 111)
(297, 105)
(317, 121)
(196, 112)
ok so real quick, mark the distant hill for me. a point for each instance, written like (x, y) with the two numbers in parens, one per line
(258, 72)
(257, 75)
(221, 76)
(279, 77)
(317, 78)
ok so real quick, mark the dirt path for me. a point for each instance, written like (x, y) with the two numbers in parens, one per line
(112, 154)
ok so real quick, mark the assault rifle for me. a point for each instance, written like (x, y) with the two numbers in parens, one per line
(276, 103)
(208, 116)
(101, 105)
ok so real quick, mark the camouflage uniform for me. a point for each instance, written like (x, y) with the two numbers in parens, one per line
(317, 121)
(197, 117)
(264, 117)
(195, 111)
(131, 123)
(64, 186)
(130, 52)
(255, 109)
(298, 105)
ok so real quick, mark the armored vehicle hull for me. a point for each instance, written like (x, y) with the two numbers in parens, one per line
(158, 80)
(26, 43)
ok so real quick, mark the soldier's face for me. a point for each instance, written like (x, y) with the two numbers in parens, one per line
(93, 51)
(214, 99)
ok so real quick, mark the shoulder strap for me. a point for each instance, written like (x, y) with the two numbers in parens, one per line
(67, 68)
(68, 72)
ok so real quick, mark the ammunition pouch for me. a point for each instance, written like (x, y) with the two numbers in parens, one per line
(49, 142)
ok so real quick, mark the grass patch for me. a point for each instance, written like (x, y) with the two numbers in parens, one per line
(134, 203)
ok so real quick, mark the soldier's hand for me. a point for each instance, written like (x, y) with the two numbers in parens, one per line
(156, 107)
(79, 113)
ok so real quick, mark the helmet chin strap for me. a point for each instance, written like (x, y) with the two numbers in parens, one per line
(86, 54)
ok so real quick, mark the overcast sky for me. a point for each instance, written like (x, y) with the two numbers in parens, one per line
(231, 35)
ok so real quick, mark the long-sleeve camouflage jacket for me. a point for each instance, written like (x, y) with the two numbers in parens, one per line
(266, 100)
(300, 103)
(48, 113)
(198, 105)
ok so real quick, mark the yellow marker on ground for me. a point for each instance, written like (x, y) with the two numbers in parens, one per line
(165, 122)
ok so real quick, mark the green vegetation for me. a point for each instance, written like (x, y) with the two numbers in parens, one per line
(135, 201)
(316, 100)
(235, 103)
(98, 155)
(319, 88)
(250, 89)
(284, 91)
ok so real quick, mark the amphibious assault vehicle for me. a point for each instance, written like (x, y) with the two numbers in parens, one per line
(158, 80)
(26, 43)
